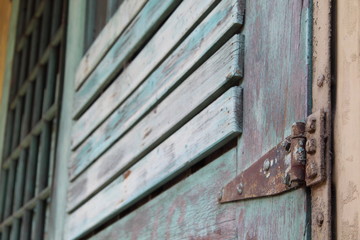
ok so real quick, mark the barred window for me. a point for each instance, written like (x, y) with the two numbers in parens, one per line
(31, 127)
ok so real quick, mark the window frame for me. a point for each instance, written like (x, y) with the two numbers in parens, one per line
(6, 101)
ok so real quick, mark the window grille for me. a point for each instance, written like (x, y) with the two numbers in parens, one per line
(31, 125)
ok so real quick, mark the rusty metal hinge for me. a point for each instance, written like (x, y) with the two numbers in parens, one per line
(297, 161)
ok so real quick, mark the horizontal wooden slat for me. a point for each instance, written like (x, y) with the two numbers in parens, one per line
(160, 87)
(202, 87)
(188, 210)
(201, 43)
(113, 29)
(141, 28)
(222, 70)
(206, 132)
(184, 18)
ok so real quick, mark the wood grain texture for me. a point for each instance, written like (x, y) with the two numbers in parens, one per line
(188, 210)
(114, 163)
(140, 29)
(275, 95)
(206, 132)
(112, 30)
(217, 28)
(217, 73)
(184, 18)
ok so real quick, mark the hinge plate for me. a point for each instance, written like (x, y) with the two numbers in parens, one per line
(295, 162)
(315, 148)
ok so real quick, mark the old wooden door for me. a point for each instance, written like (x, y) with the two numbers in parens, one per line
(172, 101)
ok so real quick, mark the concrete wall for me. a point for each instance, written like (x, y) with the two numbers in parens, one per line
(5, 12)
(347, 120)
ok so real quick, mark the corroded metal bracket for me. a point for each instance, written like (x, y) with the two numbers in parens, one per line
(315, 148)
(295, 162)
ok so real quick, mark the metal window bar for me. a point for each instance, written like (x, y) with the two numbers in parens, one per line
(31, 128)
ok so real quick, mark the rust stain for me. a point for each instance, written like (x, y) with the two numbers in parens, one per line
(127, 174)
(252, 180)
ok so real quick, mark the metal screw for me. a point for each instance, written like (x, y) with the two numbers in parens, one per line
(320, 81)
(240, 188)
(220, 194)
(320, 219)
(311, 146)
(286, 179)
(311, 125)
(311, 171)
(266, 165)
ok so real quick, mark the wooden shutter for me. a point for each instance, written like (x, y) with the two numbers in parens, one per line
(158, 93)
(174, 99)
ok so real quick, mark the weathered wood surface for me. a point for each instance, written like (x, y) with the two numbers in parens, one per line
(162, 122)
(203, 86)
(140, 29)
(184, 18)
(188, 210)
(275, 95)
(199, 45)
(206, 132)
(113, 29)
(219, 72)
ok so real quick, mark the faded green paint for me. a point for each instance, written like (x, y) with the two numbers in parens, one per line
(275, 95)
(188, 210)
(191, 143)
(142, 27)
(211, 34)
(174, 30)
